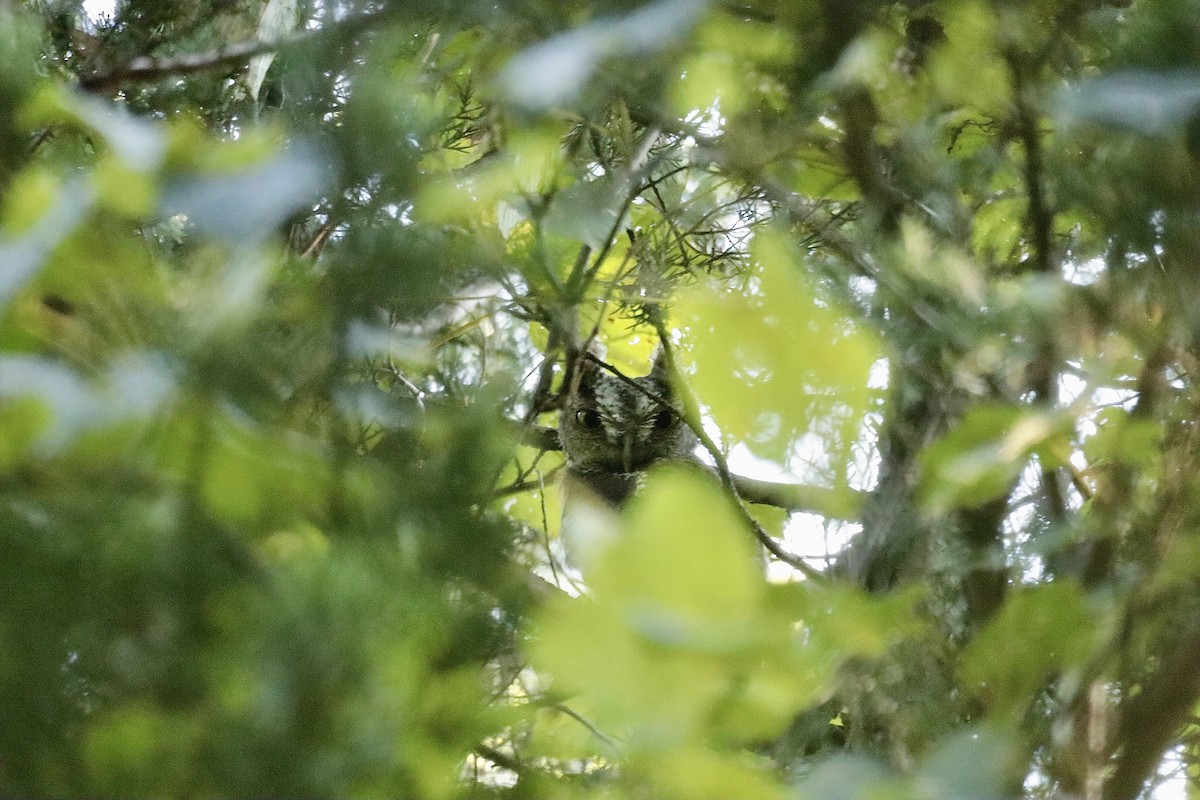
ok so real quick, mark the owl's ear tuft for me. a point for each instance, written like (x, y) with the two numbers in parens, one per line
(586, 373)
(660, 371)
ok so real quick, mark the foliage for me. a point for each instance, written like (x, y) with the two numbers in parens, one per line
(290, 294)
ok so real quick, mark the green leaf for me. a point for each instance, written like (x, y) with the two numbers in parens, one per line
(655, 694)
(967, 69)
(848, 622)
(1039, 631)
(137, 750)
(685, 552)
(997, 228)
(554, 72)
(701, 774)
(981, 457)
(21, 256)
(247, 205)
(23, 422)
(773, 362)
(586, 211)
(1120, 436)
(977, 763)
(139, 144)
(676, 627)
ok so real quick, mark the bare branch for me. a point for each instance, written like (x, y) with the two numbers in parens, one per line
(1043, 375)
(841, 504)
(146, 68)
(1151, 719)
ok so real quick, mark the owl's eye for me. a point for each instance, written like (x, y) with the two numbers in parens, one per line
(664, 419)
(588, 418)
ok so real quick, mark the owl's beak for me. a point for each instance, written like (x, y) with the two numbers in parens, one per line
(627, 452)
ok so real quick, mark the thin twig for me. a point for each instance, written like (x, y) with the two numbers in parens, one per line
(517, 487)
(575, 715)
(639, 165)
(502, 760)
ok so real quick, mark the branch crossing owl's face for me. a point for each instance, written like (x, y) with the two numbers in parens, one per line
(611, 425)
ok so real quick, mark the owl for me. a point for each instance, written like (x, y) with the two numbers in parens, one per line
(612, 429)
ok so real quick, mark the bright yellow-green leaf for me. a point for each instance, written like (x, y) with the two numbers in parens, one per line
(649, 692)
(772, 519)
(680, 638)
(557, 734)
(773, 362)
(818, 171)
(701, 774)
(302, 541)
(709, 78)
(124, 190)
(31, 195)
(629, 344)
(684, 556)
(759, 42)
(23, 421)
(540, 507)
(967, 68)
(998, 228)
(675, 597)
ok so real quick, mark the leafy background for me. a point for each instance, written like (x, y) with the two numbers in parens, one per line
(289, 293)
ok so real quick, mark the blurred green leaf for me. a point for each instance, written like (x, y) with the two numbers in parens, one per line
(773, 362)
(247, 206)
(697, 774)
(268, 340)
(971, 764)
(1141, 101)
(848, 622)
(850, 777)
(1038, 632)
(673, 599)
(72, 405)
(980, 459)
(698, 566)
(586, 211)
(138, 143)
(968, 67)
(553, 72)
(23, 254)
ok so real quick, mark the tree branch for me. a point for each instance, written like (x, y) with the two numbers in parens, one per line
(833, 503)
(1151, 719)
(502, 760)
(1043, 378)
(841, 504)
(146, 68)
(539, 436)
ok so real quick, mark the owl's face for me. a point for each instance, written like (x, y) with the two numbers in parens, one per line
(611, 426)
